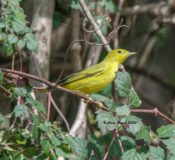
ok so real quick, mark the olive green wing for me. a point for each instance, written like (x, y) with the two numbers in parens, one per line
(80, 76)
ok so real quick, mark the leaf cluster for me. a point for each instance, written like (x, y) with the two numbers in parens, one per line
(138, 139)
(14, 31)
(41, 139)
(31, 136)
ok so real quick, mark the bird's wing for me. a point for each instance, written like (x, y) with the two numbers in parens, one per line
(80, 76)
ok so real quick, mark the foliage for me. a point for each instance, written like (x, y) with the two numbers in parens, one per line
(17, 143)
(14, 32)
(27, 134)
(41, 139)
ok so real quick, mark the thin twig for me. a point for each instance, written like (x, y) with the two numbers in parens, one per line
(48, 105)
(154, 111)
(94, 25)
(20, 58)
(5, 90)
(119, 141)
(55, 86)
(13, 61)
(84, 96)
(60, 113)
(110, 145)
(90, 31)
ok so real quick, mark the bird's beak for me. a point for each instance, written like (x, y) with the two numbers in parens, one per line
(132, 53)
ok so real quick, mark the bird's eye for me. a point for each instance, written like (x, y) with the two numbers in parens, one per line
(119, 51)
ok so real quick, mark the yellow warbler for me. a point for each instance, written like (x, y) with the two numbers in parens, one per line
(95, 78)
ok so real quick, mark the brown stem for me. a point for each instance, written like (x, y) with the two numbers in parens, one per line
(53, 85)
(5, 90)
(95, 26)
(115, 134)
(154, 111)
(119, 141)
(84, 96)
(48, 105)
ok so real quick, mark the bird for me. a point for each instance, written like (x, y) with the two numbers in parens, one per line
(96, 77)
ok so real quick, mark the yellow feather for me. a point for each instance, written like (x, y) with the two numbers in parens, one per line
(95, 78)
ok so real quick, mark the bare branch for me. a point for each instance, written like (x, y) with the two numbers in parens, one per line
(55, 86)
(154, 111)
(93, 23)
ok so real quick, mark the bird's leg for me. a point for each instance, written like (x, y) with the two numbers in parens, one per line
(99, 104)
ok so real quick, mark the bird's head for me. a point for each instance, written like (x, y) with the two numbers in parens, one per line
(119, 55)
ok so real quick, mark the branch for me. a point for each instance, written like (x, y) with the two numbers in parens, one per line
(54, 86)
(60, 113)
(115, 135)
(3, 89)
(94, 25)
(79, 126)
(84, 96)
(154, 111)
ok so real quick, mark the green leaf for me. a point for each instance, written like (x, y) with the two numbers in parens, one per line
(166, 131)
(32, 45)
(123, 83)
(75, 5)
(7, 48)
(133, 124)
(21, 141)
(19, 14)
(123, 110)
(19, 91)
(55, 140)
(1, 77)
(144, 134)
(2, 25)
(61, 153)
(156, 153)
(21, 111)
(18, 26)
(45, 145)
(171, 157)
(4, 124)
(22, 137)
(31, 42)
(127, 142)
(21, 44)
(28, 36)
(12, 38)
(45, 126)
(134, 99)
(2, 35)
(40, 107)
(35, 130)
(95, 146)
(170, 144)
(2, 118)
(106, 121)
(133, 154)
(15, 2)
(111, 6)
(107, 101)
(78, 146)
(40, 157)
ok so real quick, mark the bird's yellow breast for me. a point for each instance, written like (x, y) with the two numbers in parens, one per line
(95, 83)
